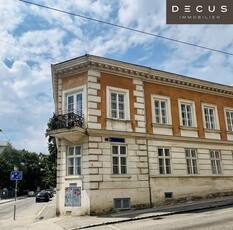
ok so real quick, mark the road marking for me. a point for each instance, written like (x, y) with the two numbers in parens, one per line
(113, 227)
(41, 211)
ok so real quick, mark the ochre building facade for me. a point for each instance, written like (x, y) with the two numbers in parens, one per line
(131, 136)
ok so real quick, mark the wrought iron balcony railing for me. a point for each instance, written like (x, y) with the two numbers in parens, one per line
(66, 120)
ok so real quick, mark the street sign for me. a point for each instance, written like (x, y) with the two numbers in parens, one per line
(16, 175)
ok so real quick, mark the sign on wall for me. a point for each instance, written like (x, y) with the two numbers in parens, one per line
(73, 196)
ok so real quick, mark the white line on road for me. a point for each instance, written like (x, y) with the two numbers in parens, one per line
(41, 211)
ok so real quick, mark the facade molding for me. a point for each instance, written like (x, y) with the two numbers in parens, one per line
(90, 62)
(94, 132)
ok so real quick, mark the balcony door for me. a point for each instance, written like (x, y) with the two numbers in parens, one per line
(75, 103)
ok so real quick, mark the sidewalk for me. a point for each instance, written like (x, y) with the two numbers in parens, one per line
(72, 223)
(85, 222)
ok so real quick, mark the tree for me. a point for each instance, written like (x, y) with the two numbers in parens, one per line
(49, 162)
(39, 170)
(27, 162)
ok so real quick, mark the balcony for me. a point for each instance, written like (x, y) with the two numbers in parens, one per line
(67, 125)
(66, 120)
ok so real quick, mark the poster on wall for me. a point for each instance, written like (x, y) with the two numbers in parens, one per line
(73, 196)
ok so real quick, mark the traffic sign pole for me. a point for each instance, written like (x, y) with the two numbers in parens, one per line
(16, 185)
(16, 175)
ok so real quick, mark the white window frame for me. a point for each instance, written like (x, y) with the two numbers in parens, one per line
(192, 169)
(230, 110)
(215, 112)
(74, 91)
(164, 158)
(193, 113)
(119, 156)
(74, 157)
(126, 103)
(168, 108)
(215, 161)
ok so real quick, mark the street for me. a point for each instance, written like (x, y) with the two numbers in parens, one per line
(34, 216)
(214, 219)
(27, 212)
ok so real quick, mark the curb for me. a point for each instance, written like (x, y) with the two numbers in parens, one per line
(4, 201)
(186, 210)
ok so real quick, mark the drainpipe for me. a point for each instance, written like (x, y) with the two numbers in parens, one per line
(147, 153)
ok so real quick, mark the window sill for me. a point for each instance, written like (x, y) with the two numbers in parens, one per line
(212, 130)
(118, 119)
(230, 132)
(73, 177)
(120, 176)
(168, 126)
(191, 128)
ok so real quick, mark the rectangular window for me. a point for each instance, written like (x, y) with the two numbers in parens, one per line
(215, 161)
(122, 203)
(164, 161)
(75, 103)
(161, 110)
(168, 195)
(118, 105)
(191, 160)
(229, 117)
(187, 114)
(74, 160)
(210, 118)
(119, 159)
(160, 107)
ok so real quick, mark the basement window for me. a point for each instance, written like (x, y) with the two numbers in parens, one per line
(121, 203)
(168, 195)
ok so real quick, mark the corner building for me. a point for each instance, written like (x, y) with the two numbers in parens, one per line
(131, 136)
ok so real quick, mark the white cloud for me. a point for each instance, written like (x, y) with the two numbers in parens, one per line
(39, 35)
(11, 10)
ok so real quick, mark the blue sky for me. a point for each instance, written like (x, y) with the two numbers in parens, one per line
(33, 38)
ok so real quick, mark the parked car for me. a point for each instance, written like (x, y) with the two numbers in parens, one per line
(49, 192)
(31, 193)
(42, 196)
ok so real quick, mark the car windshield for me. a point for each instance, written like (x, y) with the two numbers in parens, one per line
(41, 194)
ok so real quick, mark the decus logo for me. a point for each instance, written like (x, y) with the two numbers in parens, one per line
(199, 12)
(200, 9)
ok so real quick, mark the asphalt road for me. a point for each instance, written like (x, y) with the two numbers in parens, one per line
(7, 209)
(212, 219)
(27, 212)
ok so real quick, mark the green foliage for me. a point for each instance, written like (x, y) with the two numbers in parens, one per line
(39, 170)
(50, 160)
(27, 162)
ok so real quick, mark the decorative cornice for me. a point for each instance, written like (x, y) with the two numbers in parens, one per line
(72, 70)
(102, 132)
(134, 71)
